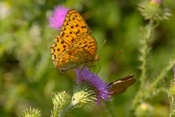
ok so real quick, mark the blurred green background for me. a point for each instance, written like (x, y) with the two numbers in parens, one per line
(28, 77)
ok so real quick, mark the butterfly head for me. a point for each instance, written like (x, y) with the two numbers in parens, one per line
(97, 57)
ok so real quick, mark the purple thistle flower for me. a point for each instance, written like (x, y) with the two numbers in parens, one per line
(101, 89)
(58, 16)
(157, 1)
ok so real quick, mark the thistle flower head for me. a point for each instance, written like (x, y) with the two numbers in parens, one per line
(60, 100)
(91, 82)
(83, 94)
(31, 113)
(153, 10)
(58, 16)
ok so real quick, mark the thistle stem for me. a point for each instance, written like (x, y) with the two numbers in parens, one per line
(160, 77)
(144, 55)
(68, 107)
(55, 112)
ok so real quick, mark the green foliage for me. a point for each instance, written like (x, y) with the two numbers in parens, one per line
(28, 77)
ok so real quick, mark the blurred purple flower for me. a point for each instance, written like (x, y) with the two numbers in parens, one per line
(58, 16)
(157, 1)
(93, 79)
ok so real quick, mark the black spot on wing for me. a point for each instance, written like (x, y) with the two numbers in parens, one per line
(78, 31)
(76, 25)
(83, 26)
(62, 42)
(72, 40)
(64, 46)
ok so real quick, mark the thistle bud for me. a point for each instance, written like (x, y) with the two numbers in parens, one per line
(153, 10)
(60, 100)
(144, 110)
(31, 113)
(83, 94)
(172, 89)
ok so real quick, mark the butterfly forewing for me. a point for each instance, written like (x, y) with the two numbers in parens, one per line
(73, 26)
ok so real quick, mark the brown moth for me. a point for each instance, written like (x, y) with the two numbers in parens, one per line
(119, 86)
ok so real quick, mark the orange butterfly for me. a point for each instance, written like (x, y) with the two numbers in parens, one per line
(74, 47)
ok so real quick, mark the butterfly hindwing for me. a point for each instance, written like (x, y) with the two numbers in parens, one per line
(81, 51)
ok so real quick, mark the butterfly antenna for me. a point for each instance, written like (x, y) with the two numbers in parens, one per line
(99, 66)
(112, 53)
(102, 46)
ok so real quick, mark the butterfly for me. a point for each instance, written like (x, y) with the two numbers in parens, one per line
(119, 86)
(74, 47)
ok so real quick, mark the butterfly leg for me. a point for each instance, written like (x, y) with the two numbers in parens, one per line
(85, 58)
(94, 66)
(99, 68)
(83, 67)
(62, 71)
